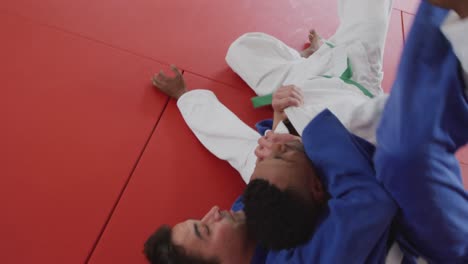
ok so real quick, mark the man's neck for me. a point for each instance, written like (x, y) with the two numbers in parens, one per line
(244, 256)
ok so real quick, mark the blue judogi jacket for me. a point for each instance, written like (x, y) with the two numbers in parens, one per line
(354, 227)
(424, 123)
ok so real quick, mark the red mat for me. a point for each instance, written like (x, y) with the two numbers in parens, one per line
(177, 32)
(75, 116)
(393, 49)
(409, 6)
(176, 179)
(194, 35)
(78, 109)
(407, 23)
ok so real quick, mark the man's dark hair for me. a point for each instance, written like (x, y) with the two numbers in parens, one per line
(159, 249)
(279, 219)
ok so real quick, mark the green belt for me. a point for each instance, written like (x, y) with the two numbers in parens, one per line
(346, 77)
(260, 101)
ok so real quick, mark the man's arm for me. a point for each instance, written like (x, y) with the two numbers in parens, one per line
(215, 126)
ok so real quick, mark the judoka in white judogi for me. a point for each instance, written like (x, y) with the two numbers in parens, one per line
(265, 64)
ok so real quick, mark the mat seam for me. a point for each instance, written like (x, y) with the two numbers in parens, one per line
(127, 182)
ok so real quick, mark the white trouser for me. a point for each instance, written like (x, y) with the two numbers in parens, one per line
(265, 63)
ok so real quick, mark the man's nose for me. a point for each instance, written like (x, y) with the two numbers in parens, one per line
(208, 216)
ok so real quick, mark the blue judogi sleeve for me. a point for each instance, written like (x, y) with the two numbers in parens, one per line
(354, 228)
(424, 123)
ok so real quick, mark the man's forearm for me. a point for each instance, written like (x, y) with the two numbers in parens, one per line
(277, 118)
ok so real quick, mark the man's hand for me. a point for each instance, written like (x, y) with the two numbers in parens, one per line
(283, 98)
(173, 87)
(459, 6)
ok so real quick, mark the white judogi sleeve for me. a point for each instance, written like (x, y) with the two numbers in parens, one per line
(455, 30)
(361, 120)
(219, 130)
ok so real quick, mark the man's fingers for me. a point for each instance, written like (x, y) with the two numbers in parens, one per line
(294, 90)
(278, 104)
(156, 82)
(287, 91)
(283, 138)
(281, 96)
(283, 91)
(299, 91)
(296, 95)
(257, 152)
(265, 143)
(159, 83)
(284, 103)
(163, 77)
(262, 153)
(176, 70)
(287, 86)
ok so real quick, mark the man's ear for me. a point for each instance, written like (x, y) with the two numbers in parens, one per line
(317, 191)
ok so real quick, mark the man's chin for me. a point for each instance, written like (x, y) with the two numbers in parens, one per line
(237, 217)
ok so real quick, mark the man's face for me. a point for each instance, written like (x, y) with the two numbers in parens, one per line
(220, 234)
(283, 162)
